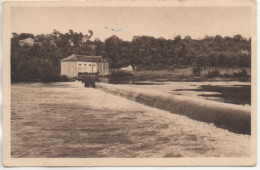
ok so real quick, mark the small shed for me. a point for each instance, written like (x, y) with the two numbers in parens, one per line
(128, 68)
(76, 65)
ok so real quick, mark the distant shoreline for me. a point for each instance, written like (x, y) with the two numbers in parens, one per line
(166, 75)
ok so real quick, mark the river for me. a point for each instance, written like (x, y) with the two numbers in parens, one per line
(234, 92)
(67, 120)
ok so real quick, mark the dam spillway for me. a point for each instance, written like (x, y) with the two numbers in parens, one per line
(232, 117)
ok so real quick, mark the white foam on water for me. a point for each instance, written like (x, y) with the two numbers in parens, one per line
(225, 115)
(77, 84)
(170, 134)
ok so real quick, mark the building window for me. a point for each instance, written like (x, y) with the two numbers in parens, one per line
(89, 64)
(93, 64)
(79, 64)
(85, 64)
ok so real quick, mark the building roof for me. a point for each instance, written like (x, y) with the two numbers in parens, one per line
(76, 57)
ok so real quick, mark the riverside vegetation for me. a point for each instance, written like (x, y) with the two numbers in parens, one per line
(40, 61)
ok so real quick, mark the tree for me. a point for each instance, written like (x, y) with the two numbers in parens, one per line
(112, 45)
(218, 40)
(237, 38)
(187, 38)
(177, 38)
(144, 52)
(26, 35)
(212, 60)
(221, 60)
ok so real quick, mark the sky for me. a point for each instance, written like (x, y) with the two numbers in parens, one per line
(166, 22)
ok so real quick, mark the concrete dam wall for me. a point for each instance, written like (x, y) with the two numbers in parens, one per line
(232, 117)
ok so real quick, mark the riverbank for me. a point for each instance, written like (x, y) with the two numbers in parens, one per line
(67, 120)
(176, 75)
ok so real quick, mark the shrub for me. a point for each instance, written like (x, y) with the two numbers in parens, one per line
(227, 75)
(64, 78)
(54, 78)
(121, 74)
(241, 74)
(196, 71)
(214, 73)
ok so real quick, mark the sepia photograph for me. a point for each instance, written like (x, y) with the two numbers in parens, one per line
(129, 83)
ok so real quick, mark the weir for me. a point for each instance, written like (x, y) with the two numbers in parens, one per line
(232, 117)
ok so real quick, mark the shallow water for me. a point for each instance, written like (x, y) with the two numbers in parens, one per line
(195, 90)
(68, 120)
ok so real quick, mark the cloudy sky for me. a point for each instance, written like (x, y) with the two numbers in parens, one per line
(127, 22)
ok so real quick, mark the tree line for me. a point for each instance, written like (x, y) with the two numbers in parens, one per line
(41, 60)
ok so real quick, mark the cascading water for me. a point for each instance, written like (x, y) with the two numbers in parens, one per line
(228, 116)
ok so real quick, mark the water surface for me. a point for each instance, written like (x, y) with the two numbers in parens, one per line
(234, 92)
(67, 120)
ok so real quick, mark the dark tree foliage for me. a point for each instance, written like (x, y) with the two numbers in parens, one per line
(41, 62)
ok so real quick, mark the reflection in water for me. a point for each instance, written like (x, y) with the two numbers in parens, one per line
(228, 94)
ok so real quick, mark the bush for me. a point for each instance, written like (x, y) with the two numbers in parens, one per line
(64, 78)
(214, 73)
(121, 74)
(241, 74)
(54, 78)
(227, 75)
(196, 71)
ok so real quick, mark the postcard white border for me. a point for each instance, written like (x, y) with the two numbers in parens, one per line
(205, 161)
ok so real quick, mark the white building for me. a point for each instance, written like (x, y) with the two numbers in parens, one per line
(78, 65)
(26, 42)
